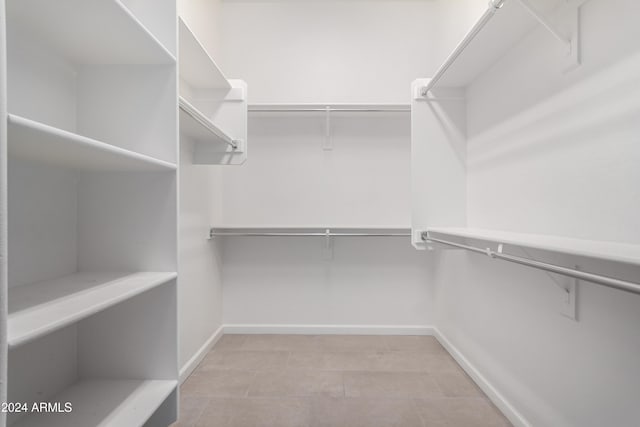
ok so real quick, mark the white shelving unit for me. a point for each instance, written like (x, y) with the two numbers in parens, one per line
(89, 35)
(213, 109)
(40, 308)
(438, 106)
(39, 142)
(92, 152)
(103, 402)
(439, 132)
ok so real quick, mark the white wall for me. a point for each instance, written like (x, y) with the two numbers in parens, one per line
(287, 281)
(328, 52)
(555, 153)
(289, 180)
(338, 51)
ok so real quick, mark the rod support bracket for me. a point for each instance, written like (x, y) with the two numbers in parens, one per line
(327, 251)
(327, 145)
(569, 307)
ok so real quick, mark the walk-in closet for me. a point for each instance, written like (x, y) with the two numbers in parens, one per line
(319, 213)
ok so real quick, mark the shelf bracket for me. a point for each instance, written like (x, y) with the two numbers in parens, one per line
(571, 43)
(327, 145)
(327, 251)
(569, 298)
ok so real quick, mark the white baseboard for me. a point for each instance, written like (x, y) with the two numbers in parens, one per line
(516, 418)
(193, 363)
(329, 329)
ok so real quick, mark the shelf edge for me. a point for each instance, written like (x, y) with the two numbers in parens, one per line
(15, 341)
(23, 122)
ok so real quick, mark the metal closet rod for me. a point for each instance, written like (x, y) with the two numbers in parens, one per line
(305, 234)
(608, 281)
(194, 114)
(494, 5)
(258, 109)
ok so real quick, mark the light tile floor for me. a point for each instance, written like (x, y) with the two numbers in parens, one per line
(333, 381)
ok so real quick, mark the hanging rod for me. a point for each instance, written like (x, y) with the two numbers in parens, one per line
(328, 233)
(494, 6)
(201, 119)
(610, 282)
(330, 108)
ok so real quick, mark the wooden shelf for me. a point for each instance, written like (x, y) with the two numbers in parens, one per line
(490, 42)
(609, 251)
(197, 68)
(37, 141)
(97, 32)
(105, 402)
(40, 308)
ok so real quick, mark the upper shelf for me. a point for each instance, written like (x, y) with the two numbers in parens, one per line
(90, 31)
(37, 141)
(609, 251)
(197, 68)
(497, 31)
(43, 307)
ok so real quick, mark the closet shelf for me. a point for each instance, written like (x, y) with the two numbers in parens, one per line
(43, 307)
(362, 108)
(37, 141)
(503, 25)
(198, 126)
(197, 68)
(105, 402)
(598, 249)
(91, 31)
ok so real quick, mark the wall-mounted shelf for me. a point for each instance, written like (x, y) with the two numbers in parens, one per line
(88, 35)
(197, 68)
(596, 249)
(503, 25)
(40, 308)
(47, 144)
(198, 126)
(105, 402)
(608, 251)
(213, 109)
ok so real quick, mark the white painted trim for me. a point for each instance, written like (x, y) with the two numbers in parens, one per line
(329, 329)
(195, 360)
(509, 411)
